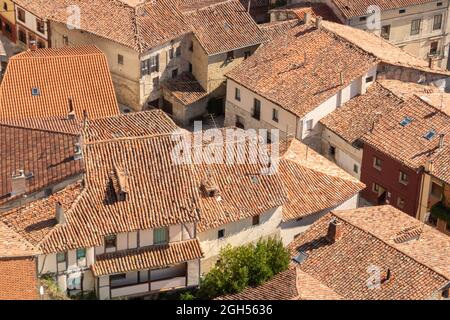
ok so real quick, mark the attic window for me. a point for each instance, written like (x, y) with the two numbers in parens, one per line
(430, 135)
(35, 92)
(405, 121)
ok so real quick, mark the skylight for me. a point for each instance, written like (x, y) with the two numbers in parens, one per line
(405, 121)
(301, 257)
(430, 134)
(35, 92)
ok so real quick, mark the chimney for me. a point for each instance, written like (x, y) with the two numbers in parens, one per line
(78, 152)
(334, 231)
(307, 18)
(18, 183)
(59, 213)
(210, 188)
(341, 78)
(71, 114)
(387, 276)
(441, 141)
(120, 183)
(319, 23)
(33, 46)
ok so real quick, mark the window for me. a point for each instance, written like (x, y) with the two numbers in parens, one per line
(61, 257)
(40, 44)
(403, 178)
(150, 65)
(120, 59)
(432, 220)
(401, 11)
(406, 121)
(375, 188)
(65, 40)
(415, 26)
(377, 163)
(256, 109)
(174, 73)
(400, 202)
(81, 253)
(110, 241)
(309, 125)
(5, 6)
(275, 115)
(40, 26)
(362, 18)
(255, 220)
(221, 234)
(240, 122)
(332, 151)
(355, 168)
(237, 94)
(386, 32)
(247, 54)
(434, 48)
(161, 235)
(190, 67)
(117, 277)
(155, 82)
(178, 51)
(369, 79)
(437, 22)
(269, 137)
(436, 190)
(230, 56)
(430, 135)
(21, 14)
(22, 36)
(439, 4)
(35, 92)
(171, 53)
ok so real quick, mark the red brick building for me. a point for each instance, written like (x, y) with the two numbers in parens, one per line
(396, 151)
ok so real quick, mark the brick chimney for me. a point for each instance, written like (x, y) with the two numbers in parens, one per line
(334, 231)
(18, 183)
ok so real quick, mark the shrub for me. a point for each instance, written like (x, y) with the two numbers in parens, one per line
(247, 265)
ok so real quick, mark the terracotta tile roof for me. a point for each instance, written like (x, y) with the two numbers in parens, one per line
(343, 265)
(407, 144)
(276, 29)
(278, 72)
(244, 191)
(314, 9)
(221, 26)
(77, 73)
(281, 287)
(136, 24)
(255, 3)
(431, 95)
(355, 118)
(35, 221)
(185, 88)
(313, 183)
(355, 8)
(293, 284)
(60, 124)
(394, 227)
(441, 164)
(13, 245)
(147, 258)
(46, 157)
(136, 124)
(380, 48)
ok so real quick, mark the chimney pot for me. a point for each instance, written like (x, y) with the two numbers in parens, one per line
(334, 231)
(18, 183)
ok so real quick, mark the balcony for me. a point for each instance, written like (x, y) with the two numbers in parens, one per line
(148, 287)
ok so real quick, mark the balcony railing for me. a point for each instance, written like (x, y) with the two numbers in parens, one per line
(148, 287)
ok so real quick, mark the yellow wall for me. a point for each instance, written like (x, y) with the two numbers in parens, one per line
(10, 14)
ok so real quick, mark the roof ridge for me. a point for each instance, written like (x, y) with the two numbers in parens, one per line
(337, 214)
(11, 125)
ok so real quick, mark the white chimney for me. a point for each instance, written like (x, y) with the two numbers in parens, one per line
(319, 23)
(307, 18)
(18, 183)
(78, 152)
(59, 213)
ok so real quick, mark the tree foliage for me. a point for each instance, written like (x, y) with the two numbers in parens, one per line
(247, 265)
